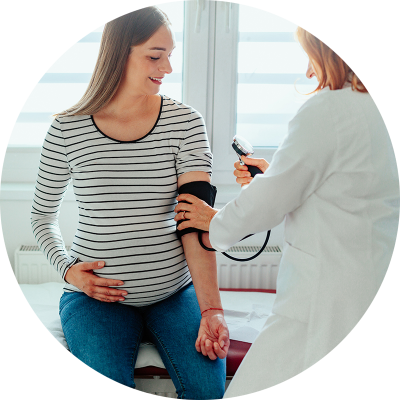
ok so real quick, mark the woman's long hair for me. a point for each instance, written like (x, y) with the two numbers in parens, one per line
(334, 71)
(118, 37)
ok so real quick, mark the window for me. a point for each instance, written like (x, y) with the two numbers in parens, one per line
(238, 66)
(269, 64)
(259, 81)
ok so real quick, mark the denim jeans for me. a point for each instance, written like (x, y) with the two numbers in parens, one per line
(106, 336)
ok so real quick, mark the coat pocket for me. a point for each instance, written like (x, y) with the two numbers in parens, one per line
(296, 284)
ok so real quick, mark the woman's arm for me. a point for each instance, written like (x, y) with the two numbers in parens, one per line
(213, 338)
(52, 183)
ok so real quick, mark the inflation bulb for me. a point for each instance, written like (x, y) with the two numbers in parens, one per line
(243, 148)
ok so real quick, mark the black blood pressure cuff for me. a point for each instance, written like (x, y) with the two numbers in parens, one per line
(204, 191)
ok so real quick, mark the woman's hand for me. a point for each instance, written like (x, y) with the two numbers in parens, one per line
(213, 338)
(243, 176)
(81, 275)
(195, 213)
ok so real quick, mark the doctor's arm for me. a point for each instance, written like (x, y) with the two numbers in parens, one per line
(213, 337)
(306, 158)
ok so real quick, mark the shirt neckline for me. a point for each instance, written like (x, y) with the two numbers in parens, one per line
(136, 140)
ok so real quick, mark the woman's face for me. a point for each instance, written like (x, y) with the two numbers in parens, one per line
(149, 62)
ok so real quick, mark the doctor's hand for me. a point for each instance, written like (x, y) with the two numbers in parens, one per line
(194, 213)
(213, 338)
(243, 176)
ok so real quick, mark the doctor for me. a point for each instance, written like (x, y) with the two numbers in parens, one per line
(334, 181)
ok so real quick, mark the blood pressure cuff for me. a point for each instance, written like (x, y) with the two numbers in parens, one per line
(204, 191)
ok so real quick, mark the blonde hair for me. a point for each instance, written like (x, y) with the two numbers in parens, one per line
(118, 37)
(334, 71)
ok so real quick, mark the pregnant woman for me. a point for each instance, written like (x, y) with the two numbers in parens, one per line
(127, 150)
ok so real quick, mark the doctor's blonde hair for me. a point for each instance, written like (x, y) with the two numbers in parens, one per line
(335, 72)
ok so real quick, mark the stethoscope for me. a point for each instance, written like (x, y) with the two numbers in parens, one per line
(242, 148)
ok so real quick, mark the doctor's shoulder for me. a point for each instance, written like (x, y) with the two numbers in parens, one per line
(330, 108)
(314, 115)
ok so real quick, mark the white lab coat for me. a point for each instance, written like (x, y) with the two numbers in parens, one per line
(334, 180)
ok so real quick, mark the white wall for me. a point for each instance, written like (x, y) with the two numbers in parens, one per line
(16, 205)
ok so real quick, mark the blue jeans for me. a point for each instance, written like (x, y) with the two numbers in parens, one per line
(106, 336)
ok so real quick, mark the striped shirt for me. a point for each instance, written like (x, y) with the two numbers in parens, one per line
(126, 194)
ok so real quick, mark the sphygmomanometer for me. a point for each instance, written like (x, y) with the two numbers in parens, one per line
(207, 192)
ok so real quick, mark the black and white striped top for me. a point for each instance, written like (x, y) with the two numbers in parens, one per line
(126, 194)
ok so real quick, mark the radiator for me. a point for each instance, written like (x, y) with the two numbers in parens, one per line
(31, 266)
(260, 273)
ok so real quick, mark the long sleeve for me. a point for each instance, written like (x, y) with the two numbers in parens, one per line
(298, 168)
(52, 182)
(335, 179)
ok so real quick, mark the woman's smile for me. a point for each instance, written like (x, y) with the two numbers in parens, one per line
(157, 81)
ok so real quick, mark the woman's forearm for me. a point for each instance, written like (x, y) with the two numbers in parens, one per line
(203, 268)
(202, 263)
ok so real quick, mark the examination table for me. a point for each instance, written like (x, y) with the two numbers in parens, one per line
(246, 311)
